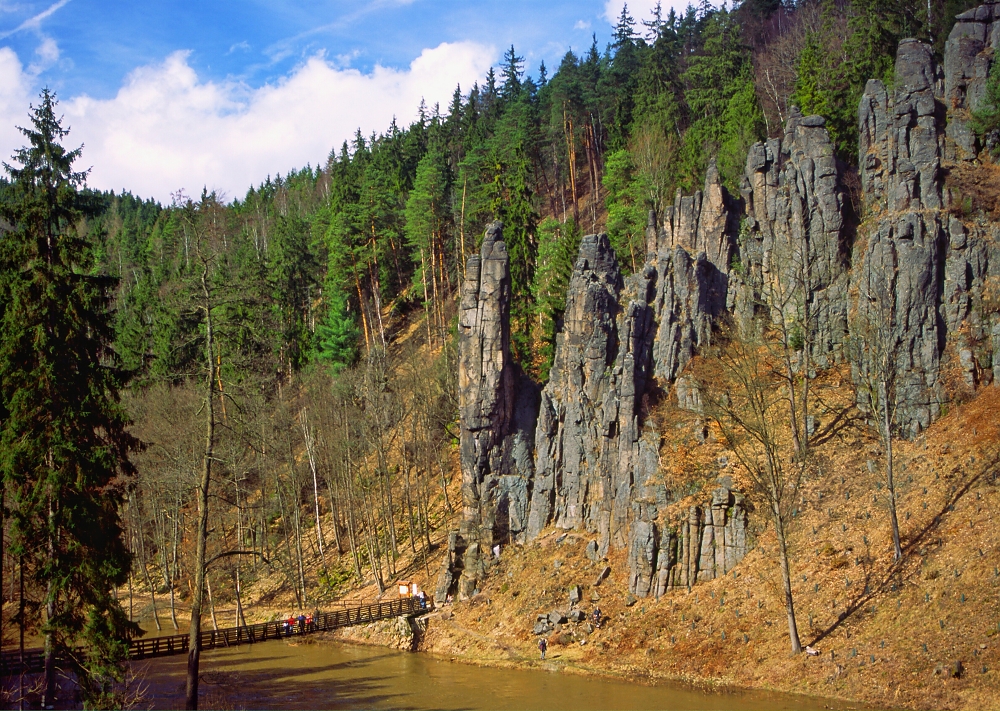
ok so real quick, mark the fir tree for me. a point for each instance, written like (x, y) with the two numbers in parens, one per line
(512, 71)
(64, 448)
(986, 118)
(337, 335)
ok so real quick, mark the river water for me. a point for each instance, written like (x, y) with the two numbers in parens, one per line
(325, 675)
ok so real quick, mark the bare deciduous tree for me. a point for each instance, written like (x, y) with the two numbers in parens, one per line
(748, 406)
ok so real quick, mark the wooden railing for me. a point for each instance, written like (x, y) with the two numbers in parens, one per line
(34, 659)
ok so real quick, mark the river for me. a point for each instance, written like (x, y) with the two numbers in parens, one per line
(327, 675)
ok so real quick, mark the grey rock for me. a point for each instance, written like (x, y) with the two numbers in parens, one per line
(630, 600)
(576, 616)
(707, 543)
(796, 236)
(602, 576)
(920, 269)
(557, 617)
(575, 595)
(497, 406)
(591, 551)
(541, 628)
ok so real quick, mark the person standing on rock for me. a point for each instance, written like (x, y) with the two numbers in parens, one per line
(542, 646)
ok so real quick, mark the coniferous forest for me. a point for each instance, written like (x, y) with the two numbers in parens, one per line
(189, 389)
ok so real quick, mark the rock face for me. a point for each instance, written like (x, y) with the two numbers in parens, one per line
(795, 237)
(910, 290)
(589, 451)
(967, 59)
(705, 545)
(918, 270)
(497, 407)
(707, 221)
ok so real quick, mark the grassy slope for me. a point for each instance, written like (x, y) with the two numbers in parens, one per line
(852, 603)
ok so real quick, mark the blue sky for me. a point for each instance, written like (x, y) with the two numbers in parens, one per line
(177, 95)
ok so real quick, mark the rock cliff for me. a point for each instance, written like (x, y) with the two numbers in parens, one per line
(895, 279)
(497, 409)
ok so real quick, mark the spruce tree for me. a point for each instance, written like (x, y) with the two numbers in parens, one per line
(64, 446)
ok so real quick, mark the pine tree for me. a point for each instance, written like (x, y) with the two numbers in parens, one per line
(558, 246)
(64, 448)
(337, 335)
(512, 71)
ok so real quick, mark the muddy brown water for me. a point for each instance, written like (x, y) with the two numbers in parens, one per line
(333, 675)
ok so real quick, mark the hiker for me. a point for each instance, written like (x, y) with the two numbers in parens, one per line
(290, 625)
(309, 622)
(597, 617)
(542, 646)
(315, 617)
(422, 596)
(302, 623)
(284, 627)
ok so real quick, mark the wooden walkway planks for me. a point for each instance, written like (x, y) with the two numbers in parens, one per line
(34, 659)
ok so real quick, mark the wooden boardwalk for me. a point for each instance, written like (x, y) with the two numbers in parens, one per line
(34, 659)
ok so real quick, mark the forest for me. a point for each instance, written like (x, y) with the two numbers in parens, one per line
(275, 374)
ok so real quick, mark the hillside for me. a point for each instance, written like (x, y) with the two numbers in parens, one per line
(677, 324)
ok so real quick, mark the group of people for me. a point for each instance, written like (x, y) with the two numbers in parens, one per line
(596, 615)
(302, 623)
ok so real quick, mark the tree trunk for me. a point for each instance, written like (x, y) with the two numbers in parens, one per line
(461, 229)
(20, 630)
(173, 567)
(310, 442)
(211, 602)
(890, 481)
(297, 518)
(145, 568)
(50, 613)
(201, 529)
(427, 307)
(786, 579)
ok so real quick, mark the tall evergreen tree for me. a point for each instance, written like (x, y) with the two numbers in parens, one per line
(64, 448)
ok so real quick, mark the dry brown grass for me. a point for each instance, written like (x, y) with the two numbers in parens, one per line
(853, 603)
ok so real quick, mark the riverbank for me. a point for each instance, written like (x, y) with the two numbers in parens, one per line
(921, 634)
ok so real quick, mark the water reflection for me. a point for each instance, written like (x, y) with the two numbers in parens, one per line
(279, 675)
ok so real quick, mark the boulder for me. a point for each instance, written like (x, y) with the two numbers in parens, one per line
(575, 595)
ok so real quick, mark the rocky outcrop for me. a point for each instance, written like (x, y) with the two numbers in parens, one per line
(588, 446)
(497, 406)
(919, 270)
(707, 221)
(969, 52)
(705, 544)
(689, 295)
(911, 289)
(795, 242)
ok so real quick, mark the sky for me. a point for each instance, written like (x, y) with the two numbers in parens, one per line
(174, 95)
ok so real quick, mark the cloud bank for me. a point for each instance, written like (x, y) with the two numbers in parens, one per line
(167, 129)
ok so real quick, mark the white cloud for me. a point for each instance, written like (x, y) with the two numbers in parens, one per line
(168, 129)
(47, 54)
(34, 23)
(581, 25)
(642, 9)
(15, 95)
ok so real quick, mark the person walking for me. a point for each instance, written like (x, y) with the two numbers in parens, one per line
(542, 646)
